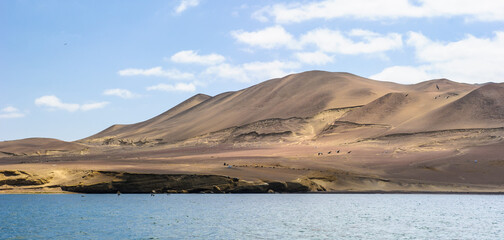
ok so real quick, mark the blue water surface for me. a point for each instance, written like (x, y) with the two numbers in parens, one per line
(252, 216)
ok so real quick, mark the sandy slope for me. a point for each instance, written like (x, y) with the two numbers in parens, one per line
(39, 146)
(325, 131)
(481, 108)
(299, 95)
(151, 125)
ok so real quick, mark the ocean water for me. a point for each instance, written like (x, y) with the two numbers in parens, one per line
(252, 216)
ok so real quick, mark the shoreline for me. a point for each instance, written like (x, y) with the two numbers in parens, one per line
(321, 193)
(111, 182)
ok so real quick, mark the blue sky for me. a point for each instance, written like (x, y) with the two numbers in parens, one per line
(69, 69)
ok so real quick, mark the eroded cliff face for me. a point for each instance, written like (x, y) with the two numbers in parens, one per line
(181, 183)
(113, 182)
(90, 181)
(21, 178)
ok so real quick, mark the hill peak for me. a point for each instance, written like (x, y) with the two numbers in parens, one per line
(442, 85)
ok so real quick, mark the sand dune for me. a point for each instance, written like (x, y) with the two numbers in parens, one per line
(481, 108)
(319, 131)
(402, 107)
(441, 85)
(148, 125)
(387, 109)
(298, 95)
(39, 146)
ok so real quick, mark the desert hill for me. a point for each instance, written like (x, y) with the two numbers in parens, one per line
(481, 108)
(150, 124)
(39, 146)
(396, 108)
(441, 85)
(298, 95)
(312, 131)
(317, 98)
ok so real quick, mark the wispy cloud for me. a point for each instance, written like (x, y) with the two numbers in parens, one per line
(157, 72)
(122, 93)
(333, 41)
(92, 106)
(185, 4)
(11, 112)
(179, 87)
(54, 103)
(253, 71)
(271, 37)
(357, 41)
(482, 10)
(403, 74)
(190, 56)
(469, 60)
(314, 58)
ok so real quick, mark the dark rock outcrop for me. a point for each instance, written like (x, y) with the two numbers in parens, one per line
(181, 183)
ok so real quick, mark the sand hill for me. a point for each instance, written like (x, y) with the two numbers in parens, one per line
(242, 115)
(298, 95)
(312, 131)
(481, 108)
(39, 146)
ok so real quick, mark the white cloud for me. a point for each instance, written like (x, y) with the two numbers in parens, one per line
(402, 74)
(190, 56)
(123, 93)
(10, 112)
(253, 71)
(179, 87)
(54, 103)
(228, 71)
(363, 33)
(470, 60)
(336, 42)
(10, 109)
(481, 10)
(185, 4)
(266, 70)
(271, 37)
(314, 58)
(356, 41)
(91, 106)
(157, 72)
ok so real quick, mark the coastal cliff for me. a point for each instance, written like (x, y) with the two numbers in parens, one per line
(89, 181)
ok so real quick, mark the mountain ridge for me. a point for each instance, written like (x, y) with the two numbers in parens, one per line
(297, 95)
(317, 131)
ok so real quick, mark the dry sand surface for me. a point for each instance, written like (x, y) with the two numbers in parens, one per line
(313, 131)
